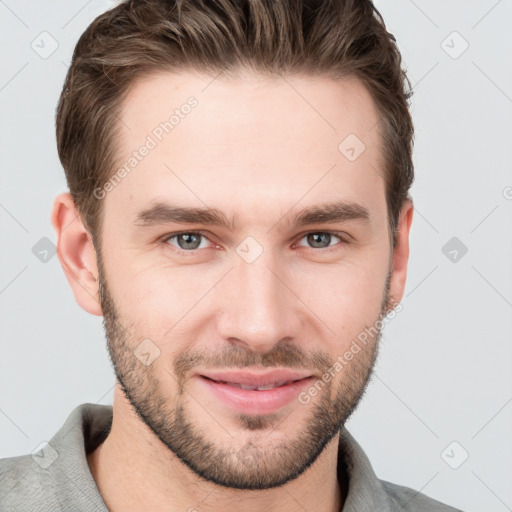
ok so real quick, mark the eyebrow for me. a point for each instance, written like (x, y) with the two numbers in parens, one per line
(164, 213)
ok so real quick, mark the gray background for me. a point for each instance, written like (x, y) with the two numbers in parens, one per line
(443, 375)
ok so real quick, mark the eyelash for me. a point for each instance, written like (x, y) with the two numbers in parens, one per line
(343, 241)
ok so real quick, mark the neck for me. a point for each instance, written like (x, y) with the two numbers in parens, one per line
(134, 470)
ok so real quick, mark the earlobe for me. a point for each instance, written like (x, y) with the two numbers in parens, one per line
(76, 253)
(401, 252)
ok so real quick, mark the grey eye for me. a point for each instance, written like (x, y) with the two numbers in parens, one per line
(319, 240)
(187, 241)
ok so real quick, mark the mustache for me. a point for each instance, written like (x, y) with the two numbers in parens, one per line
(284, 354)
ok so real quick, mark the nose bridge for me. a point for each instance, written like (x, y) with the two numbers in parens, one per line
(260, 309)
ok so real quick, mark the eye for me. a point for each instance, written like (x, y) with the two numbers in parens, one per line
(191, 241)
(322, 239)
(187, 241)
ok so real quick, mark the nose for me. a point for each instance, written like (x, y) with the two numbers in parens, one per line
(260, 308)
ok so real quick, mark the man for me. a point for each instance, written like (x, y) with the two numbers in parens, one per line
(239, 214)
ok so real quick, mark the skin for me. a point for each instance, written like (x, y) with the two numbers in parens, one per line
(256, 150)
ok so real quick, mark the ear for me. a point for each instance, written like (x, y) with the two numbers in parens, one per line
(401, 252)
(76, 253)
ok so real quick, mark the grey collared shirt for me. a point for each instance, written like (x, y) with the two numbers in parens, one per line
(58, 478)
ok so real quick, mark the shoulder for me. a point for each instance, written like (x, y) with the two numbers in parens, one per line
(57, 477)
(21, 483)
(407, 499)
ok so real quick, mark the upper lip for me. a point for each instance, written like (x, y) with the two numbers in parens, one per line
(254, 378)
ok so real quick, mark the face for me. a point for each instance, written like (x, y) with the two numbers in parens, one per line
(297, 270)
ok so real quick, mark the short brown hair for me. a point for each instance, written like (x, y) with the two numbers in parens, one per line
(137, 38)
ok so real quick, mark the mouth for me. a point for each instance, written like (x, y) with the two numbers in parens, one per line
(263, 394)
(251, 379)
(263, 387)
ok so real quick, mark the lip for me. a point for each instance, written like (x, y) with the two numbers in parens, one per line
(247, 378)
(254, 401)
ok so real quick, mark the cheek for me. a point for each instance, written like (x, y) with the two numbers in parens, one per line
(346, 297)
(158, 300)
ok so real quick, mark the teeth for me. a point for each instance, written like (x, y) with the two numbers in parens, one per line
(270, 386)
(259, 388)
(242, 386)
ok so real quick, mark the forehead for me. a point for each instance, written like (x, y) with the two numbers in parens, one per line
(255, 140)
(308, 107)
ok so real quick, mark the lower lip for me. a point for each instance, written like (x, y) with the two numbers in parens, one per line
(253, 401)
